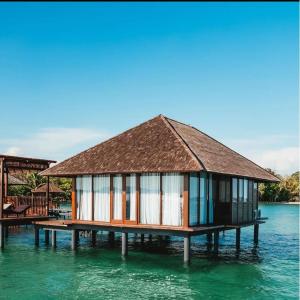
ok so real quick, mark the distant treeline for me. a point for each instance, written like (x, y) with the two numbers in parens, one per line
(284, 191)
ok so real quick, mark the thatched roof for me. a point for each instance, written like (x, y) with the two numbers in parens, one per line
(12, 180)
(42, 188)
(160, 145)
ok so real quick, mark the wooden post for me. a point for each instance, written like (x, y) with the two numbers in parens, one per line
(238, 239)
(186, 249)
(1, 187)
(47, 237)
(216, 242)
(94, 237)
(74, 199)
(185, 221)
(36, 236)
(111, 237)
(6, 231)
(209, 241)
(150, 237)
(124, 243)
(1, 236)
(47, 196)
(142, 238)
(256, 230)
(74, 239)
(53, 238)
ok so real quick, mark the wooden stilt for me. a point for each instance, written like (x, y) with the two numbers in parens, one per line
(53, 238)
(238, 239)
(256, 230)
(209, 241)
(150, 237)
(111, 237)
(216, 242)
(74, 239)
(6, 231)
(186, 249)
(124, 243)
(94, 237)
(36, 236)
(1, 236)
(142, 238)
(47, 237)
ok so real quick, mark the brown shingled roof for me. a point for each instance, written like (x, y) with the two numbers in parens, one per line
(159, 145)
(52, 189)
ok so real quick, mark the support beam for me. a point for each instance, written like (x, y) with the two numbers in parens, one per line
(256, 230)
(150, 237)
(124, 243)
(216, 242)
(186, 249)
(6, 231)
(238, 239)
(142, 238)
(53, 238)
(47, 233)
(36, 236)
(94, 237)
(1, 236)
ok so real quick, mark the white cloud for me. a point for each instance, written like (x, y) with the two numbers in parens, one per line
(277, 152)
(53, 143)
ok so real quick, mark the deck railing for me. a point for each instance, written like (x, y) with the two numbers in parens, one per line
(38, 204)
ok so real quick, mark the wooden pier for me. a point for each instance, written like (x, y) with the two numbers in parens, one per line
(75, 226)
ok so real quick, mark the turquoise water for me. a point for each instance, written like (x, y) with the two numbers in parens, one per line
(155, 270)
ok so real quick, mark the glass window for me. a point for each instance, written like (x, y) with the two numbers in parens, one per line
(255, 195)
(241, 190)
(234, 190)
(131, 197)
(117, 199)
(84, 197)
(212, 193)
(245, 190)
(194, 199)
(150, 199)
(224, 189)
(102, 198)
(172, 194)
(203, 198)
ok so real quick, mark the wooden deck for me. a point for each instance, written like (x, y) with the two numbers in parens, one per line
(27, 220)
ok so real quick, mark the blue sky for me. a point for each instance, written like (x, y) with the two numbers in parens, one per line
(72, 75)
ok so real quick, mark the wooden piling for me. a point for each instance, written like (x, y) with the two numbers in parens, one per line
(209, 241)
(186, 249)
(124, 243)
(94, 237)
(53, 238)
(74, 239)
(216, 242)
(238, 239)
(256, 230)
(1, 236)
(47, 237)
(142, 238)
(36, 236)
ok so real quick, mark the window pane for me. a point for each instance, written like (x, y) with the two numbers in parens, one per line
(234, 190)
(241, 190)
(245, 190)
(150, 199)
(84, 197)
(203, 198)
(131, 197)
(117, 199)
(194, 199)
(172, 192)
(102, 198)
(222, 189)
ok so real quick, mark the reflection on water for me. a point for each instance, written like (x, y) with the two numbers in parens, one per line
(154, 269)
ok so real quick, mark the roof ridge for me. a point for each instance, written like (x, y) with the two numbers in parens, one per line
(103, 142)
(225, 146)
(182, 141)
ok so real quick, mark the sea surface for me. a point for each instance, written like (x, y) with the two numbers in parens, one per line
(155, 270)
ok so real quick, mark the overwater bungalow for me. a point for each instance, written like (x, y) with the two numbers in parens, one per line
(162, 177)
(20, 210)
